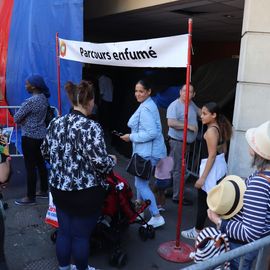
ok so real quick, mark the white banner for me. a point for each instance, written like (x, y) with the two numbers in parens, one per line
(157, 52)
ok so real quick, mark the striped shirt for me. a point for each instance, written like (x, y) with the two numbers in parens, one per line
(253, 221)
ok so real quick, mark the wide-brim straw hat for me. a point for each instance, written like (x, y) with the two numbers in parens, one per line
(226, 198)
(259, 139)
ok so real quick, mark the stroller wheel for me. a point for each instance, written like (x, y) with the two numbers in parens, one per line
(54, 236)
(113, 260)
(5, 205)
(151, 232)
(122, 259)
(143, 233)
(118, 258)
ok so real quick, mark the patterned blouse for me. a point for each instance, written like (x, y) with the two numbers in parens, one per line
(31, 116)
(77, 153)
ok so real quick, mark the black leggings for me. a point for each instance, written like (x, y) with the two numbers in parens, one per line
(33, 160)
(201, 209)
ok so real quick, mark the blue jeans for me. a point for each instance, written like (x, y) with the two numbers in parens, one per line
(73, 238)
(248, 258)
(144, 192)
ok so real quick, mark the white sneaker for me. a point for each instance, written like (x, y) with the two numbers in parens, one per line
(156, 221)
(190, 234)
(161, 208)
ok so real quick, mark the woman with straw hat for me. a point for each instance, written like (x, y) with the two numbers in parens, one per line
(251, 220)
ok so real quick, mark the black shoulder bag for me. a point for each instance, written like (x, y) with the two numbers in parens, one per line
(139, 166)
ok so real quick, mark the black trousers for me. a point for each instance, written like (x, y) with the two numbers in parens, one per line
(105, 112)
(34, 162)
(201, 209)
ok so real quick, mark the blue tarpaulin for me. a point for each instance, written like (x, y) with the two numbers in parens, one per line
(32, 46)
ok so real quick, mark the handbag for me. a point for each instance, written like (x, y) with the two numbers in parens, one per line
(211, 243)
(51, 215)
(50, 114)
(138, 166)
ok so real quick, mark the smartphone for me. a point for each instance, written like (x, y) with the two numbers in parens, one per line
(116, 133)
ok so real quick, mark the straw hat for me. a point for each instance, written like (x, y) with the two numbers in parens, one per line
(259, 139)
(226, 199)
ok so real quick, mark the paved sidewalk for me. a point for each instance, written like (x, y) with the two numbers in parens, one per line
(28, 245)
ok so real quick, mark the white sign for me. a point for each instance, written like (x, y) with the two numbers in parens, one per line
(157, 52)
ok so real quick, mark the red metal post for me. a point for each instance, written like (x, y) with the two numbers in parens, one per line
(183, 169)
(58, 75)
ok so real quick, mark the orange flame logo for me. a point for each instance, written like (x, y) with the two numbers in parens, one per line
(63, 48)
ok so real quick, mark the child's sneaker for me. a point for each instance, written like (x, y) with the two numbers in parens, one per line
(190, 234)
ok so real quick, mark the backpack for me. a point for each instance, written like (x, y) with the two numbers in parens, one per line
(49, 115)
(211, 243)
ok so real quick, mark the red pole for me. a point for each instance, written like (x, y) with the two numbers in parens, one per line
(58, 75)
(183, 169)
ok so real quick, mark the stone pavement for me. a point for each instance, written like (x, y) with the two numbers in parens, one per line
(28, 245)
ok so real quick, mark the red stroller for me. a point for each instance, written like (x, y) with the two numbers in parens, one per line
(118, 212)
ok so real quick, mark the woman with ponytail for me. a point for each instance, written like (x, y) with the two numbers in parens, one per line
(213, 165)
(75, 148)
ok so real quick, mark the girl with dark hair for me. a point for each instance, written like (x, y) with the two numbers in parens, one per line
(213, 165)
(147, 141)
(75, 148)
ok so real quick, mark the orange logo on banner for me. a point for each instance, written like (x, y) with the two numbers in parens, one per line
(63, 48)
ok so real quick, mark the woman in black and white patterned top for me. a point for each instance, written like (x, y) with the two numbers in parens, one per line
(76, 150)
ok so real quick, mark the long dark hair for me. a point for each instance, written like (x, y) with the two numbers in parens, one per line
(223, 123)
(146, 84)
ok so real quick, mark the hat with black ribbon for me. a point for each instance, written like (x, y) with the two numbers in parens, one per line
(226, 198)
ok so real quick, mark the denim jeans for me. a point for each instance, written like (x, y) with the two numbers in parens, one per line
(248, 258)
(144, 191)
(73, 238)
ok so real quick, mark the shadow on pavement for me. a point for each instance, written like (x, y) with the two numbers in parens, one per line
(28, 245)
